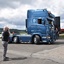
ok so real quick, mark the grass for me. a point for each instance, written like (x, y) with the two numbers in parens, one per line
(23, 33)
(61, 36)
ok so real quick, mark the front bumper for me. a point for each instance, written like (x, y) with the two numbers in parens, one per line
(46, 39)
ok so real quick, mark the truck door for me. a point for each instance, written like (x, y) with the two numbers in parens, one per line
(57, 23)
(41, 27)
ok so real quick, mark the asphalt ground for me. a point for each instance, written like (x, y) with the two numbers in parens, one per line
(34, 54)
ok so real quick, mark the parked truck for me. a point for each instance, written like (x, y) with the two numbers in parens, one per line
(41, 26)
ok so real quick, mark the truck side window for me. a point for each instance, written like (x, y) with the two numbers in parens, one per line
(39, 21)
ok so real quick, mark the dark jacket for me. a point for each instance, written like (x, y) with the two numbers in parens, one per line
(5, 36)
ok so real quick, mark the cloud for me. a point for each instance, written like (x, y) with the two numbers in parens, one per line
(9, 3)
(14, 12)
(14, 3)
(52, 5)
(14, 16)
(11, 26)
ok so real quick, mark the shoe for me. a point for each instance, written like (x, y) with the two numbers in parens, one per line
(6, 59)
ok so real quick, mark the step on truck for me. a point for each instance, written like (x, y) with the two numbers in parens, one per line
(41, 26)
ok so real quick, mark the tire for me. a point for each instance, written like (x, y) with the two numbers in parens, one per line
(16, 40)
(36, 39)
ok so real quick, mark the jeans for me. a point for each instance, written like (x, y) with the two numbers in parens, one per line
(5, 45)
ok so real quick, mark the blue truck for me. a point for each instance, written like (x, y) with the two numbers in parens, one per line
(41, 26)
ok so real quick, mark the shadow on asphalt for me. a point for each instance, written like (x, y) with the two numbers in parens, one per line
(55, 43)
(58, 43)
(18, 58)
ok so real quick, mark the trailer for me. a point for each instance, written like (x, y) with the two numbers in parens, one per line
(41, 26)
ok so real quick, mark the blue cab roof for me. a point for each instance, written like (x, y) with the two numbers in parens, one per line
(38, 13)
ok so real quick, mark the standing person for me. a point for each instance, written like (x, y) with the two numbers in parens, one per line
(5, 39)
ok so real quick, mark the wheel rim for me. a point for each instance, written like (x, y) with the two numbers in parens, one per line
(35, 40)
(15, 39)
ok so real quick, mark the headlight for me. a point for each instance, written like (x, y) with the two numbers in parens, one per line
(48, 37)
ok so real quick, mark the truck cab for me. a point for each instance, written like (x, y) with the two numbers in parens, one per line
(41, 25)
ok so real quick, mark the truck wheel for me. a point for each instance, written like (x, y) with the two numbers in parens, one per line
(36, 39)
(16, 39)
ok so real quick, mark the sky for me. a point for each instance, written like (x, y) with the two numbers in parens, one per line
(14, 12)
